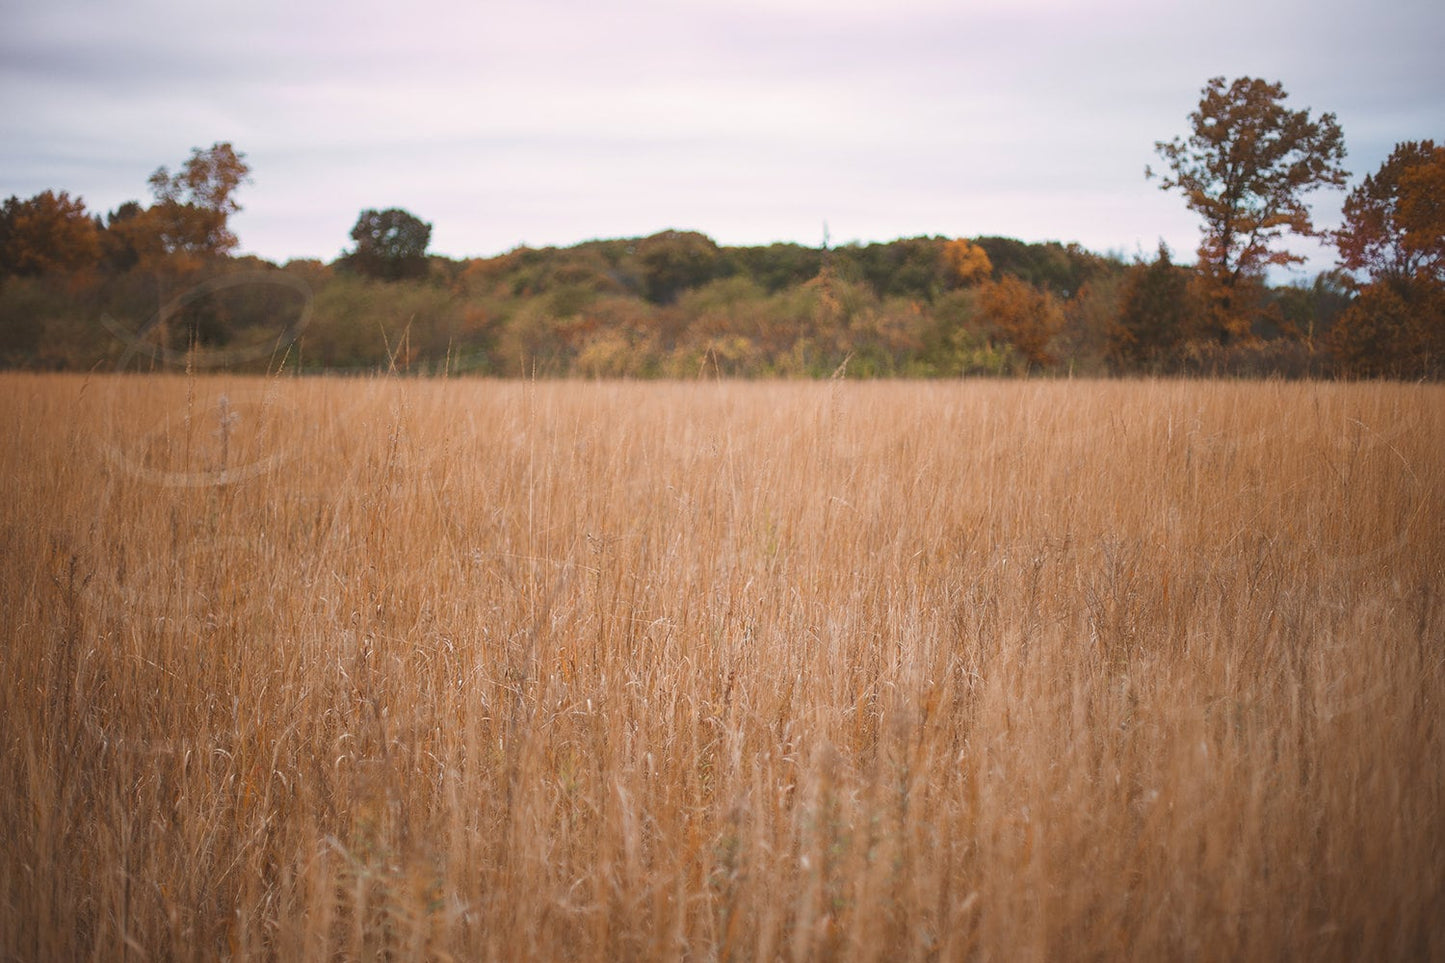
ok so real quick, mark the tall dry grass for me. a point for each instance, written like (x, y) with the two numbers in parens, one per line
(453, 670)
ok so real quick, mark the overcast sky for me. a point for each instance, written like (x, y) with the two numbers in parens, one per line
(543, 122)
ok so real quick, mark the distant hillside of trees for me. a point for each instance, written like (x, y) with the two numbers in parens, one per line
(671, 305)
(158, 286)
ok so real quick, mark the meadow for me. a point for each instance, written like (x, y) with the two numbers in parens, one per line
(383, 668)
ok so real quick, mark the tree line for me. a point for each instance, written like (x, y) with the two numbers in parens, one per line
(159, 284)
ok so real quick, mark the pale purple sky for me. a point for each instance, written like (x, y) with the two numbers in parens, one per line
(547, 123)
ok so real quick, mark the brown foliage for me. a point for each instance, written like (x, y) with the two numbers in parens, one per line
(193, 206)
(1394, 232)
(1395, 220)
(1158, 312)
(1245, 169)
(1022, 315)
(1392, 330)
(49, 232)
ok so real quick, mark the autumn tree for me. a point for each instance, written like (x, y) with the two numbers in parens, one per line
(192, 209)
(128, 238)
(1394, 233)
(1157, 314)
(48, 233)
(1245, 169)
(1395, 220)
(1390, 332)
(964, 263)
(1422, 211)
(390, 245)
(1309, 311)
(1023, 315)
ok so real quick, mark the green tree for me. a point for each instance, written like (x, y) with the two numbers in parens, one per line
(1245, 169)
(777, 266)
(1057, 268)
(912, 267)
(674, 261)
(390, 245)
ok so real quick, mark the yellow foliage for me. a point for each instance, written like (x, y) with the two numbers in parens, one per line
(965, 263)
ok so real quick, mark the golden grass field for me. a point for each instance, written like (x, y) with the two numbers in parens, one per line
(397, 669)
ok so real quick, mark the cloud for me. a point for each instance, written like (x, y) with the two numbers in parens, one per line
(551, 122)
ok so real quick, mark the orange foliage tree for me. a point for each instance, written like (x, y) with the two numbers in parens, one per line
(191, 214)
(965, 263)
(1023, 315)
(1395, 221)
(1394, 233)
(48, 233)
(1245, 169)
